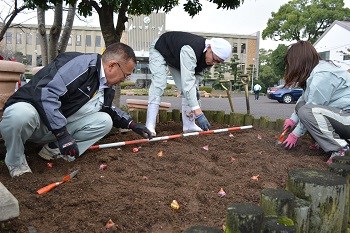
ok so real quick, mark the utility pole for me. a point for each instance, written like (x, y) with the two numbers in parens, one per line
(253, 76)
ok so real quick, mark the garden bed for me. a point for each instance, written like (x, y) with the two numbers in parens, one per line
(136, 189)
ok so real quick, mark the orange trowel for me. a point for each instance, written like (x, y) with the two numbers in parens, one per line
(282, 137)
(51, 186)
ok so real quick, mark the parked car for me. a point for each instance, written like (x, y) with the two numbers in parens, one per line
(286, 95)
(273, 89)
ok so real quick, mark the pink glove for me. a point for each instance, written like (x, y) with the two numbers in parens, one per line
(291, 141)
(288, 123)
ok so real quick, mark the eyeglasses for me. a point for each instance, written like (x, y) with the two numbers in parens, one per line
(216, 59)
(125, 76)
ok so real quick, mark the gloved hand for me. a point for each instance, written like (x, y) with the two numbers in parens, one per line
(140, 129)
(203, 122)
(66, 143)
(291, 141)
(288, 123)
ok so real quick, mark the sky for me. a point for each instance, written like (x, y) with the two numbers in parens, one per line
(247, 19)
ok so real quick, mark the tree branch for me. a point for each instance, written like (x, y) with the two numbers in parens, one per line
(96, 6)
(120, 27)
(13, 14)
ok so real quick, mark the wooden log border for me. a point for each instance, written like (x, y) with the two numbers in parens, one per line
(232, 119)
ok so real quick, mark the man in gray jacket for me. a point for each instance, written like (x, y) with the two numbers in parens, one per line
(68, 106)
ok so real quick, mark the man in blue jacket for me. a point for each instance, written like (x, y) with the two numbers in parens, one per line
(68, 106)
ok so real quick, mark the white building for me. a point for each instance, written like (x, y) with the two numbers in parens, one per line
(334, 44)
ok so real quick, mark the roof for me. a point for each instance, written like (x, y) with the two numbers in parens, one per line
(343, 24)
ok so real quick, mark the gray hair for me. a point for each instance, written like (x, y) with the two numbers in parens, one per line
(119, 51)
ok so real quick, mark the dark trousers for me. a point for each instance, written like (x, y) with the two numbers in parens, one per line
(256, 93)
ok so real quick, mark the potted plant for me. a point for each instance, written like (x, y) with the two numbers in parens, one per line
(10, 73)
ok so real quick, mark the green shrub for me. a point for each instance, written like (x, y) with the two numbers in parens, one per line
(206, 89)
(126, 84)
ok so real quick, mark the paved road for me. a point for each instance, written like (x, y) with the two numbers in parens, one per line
(258, 108)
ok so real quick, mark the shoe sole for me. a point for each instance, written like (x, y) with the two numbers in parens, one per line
(45, 156)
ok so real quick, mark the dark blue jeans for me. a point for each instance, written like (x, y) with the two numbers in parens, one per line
(256, 93)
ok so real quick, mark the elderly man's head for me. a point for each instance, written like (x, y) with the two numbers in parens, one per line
(118, 62)
(218, 51)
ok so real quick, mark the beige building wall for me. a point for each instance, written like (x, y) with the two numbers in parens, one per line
(144, 29)
(139, 34)
(245, 46)
(25, 40)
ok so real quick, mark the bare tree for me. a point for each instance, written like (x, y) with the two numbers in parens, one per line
(67, 28)
(106, 10)
(42, 35)
(51, 47)
(14, 8)
(55, 31)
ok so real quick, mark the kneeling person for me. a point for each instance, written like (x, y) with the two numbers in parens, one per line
(68, 106)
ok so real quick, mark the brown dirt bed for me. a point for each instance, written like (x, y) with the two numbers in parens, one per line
(136, 189)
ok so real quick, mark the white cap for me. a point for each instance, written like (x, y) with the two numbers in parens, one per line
(222, 48)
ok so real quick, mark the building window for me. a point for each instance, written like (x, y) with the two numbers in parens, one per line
(98, 41)
(88, 40)
(29, 38)
(78, 41)
(27, 59)
(39, 60)
(242, 66)
(324, 55)
(70, 41)
(234, 48)
(346, 57)
(18, 38)
(243, 48)
(37, 39)
(8, 37)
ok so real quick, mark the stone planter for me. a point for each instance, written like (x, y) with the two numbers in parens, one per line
(10, 73)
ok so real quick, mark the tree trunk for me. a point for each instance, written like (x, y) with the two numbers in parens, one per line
(42, 35)
(110, 34)
(107, 24)
(67, 28)
(55, 32)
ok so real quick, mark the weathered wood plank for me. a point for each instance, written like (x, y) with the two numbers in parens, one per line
(244, 218)
(327, 193)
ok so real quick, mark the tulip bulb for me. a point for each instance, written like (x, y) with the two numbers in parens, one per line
(222, 193)
(175, 205)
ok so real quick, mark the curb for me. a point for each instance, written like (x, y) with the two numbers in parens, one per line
(234, 119)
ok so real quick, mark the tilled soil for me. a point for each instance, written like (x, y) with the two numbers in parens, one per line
(136, 189)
